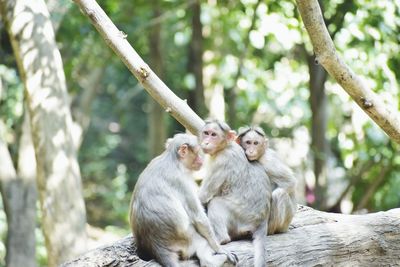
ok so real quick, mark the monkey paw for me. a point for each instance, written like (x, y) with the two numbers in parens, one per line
(231, 257)
(224, 240)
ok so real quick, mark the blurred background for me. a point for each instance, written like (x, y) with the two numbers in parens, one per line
(246, 62)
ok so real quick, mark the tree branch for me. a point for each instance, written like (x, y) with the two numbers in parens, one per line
(116, 39)
(388, 118)
(315, 239)
(373, 187)
(354, 178)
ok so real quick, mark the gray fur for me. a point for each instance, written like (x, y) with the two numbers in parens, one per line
(237, 194)
(283, 205)
(167, 218)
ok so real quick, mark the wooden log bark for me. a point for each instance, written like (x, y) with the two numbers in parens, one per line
(315, 238)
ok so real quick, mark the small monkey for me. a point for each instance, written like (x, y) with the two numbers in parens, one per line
(237, 193)
(283, 206)
(166, 216)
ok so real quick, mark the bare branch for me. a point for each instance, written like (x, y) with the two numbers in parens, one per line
(116, 39)
(388, 118)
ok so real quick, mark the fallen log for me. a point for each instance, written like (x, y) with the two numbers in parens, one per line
(315, 238)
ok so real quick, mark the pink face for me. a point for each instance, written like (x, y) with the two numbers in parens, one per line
(191, 157)
(196, 159)
(254, 145)
(212, 138)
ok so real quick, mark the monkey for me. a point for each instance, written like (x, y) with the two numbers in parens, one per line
(166, 216)
(254, 142)
(236, 192)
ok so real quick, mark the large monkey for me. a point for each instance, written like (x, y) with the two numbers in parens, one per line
(283, 206)
(237, 193)
(166, 217)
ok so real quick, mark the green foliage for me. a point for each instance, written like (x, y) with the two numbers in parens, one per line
(11, 106)
(272, 88)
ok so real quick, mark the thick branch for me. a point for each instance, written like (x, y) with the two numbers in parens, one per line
(116, 39)
(388, 118)
(315, 239)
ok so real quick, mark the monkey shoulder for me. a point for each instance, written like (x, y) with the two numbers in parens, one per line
(232, 155)
(159, 178)
(279, 172)
(257, 172)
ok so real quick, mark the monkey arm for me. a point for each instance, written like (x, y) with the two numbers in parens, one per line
(278, 172)
(203, 227)
(211, 186)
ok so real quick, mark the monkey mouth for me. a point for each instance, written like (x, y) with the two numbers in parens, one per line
(197, 167)
(206, 150)
(251, 159)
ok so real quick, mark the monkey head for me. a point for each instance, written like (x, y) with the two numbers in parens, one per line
(191, 157)
(215, 136)
(186, 149)
(253, 141)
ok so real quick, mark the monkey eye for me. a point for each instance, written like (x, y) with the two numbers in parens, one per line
(248, 142)
(213, 134)
(256, 142)
(205, 133)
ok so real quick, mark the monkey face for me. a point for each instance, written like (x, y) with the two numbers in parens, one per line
(191, 157)
(212, 139)
(196, 159)
(253, 144)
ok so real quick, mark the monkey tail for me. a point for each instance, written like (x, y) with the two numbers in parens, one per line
(260, 245)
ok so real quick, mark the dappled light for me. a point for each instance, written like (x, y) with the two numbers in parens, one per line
(78, 125)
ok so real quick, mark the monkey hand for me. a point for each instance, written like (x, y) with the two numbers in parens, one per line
(232, 257)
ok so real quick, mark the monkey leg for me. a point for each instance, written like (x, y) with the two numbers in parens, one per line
(205, 253)
(166, 257)
(283, 208)
(219, 215)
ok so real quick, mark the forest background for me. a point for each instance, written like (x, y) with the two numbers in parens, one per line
(247, 62)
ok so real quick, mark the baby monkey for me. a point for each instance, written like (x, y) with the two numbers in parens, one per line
(167, 218)
(283, 205)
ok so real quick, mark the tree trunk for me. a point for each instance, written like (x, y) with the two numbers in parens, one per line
(82, 104)
(156, 116)
(19, 198)
(59, 181)
(231, 94)
(315, 239)
(57, 10)
(217, 103)
(319, 121)
(195, 61)
(388, 118)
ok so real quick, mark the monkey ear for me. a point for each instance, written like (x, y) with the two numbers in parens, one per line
(182, 151)
(231, 136)
(238, 140)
